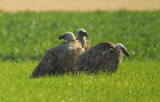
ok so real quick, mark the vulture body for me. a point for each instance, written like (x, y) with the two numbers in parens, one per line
(104, 56)
(81, 36)
(60, 59)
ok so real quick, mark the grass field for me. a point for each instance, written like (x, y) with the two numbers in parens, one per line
(136, 81)
(25, 37)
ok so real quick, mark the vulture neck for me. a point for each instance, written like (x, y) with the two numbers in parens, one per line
(72, 40)
(83, 41)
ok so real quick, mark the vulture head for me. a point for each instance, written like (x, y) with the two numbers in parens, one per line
(123, 49)
(81, 34)
(68, 36)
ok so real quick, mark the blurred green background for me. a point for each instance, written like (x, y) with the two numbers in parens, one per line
(27, 35)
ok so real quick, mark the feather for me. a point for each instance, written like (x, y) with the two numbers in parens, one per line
(104, 56)
(60, 59)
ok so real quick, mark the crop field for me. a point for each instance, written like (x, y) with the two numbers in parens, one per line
(25, 37)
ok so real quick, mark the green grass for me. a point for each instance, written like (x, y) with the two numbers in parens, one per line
(26, 36)
(135, 81)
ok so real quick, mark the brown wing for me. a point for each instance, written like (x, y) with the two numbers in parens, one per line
(111, 63)
(93, 58)
(59, 59)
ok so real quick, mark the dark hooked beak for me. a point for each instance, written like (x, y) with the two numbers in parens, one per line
(126, 53)
(85, 34)
(61, 37)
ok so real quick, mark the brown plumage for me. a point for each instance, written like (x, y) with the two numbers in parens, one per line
(81, 36)
(87, 44)
(60, 59)
(104, 56)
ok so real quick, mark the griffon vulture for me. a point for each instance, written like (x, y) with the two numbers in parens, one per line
(104, 56)
(81, 36)
(60, 59)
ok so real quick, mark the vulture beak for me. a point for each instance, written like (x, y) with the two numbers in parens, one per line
(61, 37)
(85, 34)
(126, 53)
(123, 49)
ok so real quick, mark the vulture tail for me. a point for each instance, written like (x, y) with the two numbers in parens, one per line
(120, 46)
(37, 72)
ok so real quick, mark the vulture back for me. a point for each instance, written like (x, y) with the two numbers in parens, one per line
(59, 59)
(104, 56)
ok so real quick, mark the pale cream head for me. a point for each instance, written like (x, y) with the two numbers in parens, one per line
(68, 36)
